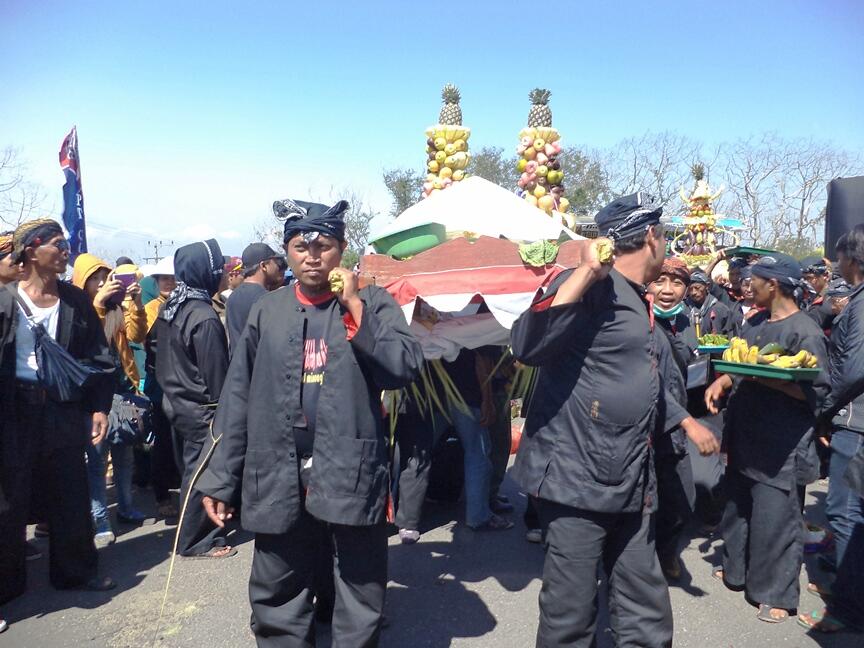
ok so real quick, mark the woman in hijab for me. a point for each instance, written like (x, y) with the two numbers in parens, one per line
(123, 320)
(768, 439)
(163, 467)
(191, 362)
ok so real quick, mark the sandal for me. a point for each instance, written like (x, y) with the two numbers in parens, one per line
(98, 584)
(765, 614)
(167, 510)
(721, 576)
(822, 621)
(215, 552)
(817, 590)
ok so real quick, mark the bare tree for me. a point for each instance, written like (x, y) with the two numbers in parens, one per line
(19, 197)
(778, 187)
(658, 163)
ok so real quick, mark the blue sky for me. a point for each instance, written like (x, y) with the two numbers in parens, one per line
(193, 117)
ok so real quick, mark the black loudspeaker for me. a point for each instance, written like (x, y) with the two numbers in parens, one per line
(845, 210)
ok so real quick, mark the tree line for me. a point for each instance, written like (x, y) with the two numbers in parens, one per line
(776, 186)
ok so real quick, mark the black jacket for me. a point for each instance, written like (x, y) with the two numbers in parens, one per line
(255, 462)
(715, 317)
(80, 332)
(588, 433)
(845, 402)
(192, 354)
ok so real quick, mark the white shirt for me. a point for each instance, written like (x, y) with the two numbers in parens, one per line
(25, 341)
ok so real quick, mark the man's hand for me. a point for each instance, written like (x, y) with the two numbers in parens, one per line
(715, 392)
(218, 512)
(701, 436)
(838, 304)
(591, 255)
(100, 427)
(348, 296)
(106, 291)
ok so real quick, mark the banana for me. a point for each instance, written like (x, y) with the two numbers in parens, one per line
(727, 355)
(812, 362)
(337, 282)
(768, 359)
(604, 251)
(786, 362)
(752, 355)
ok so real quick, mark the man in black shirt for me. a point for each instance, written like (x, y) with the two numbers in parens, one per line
(586, 451)
(303, 441)
(707, 314)
(263, 270)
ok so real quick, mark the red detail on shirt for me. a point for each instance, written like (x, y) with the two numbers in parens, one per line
(543, 304)
(650, 299)
(351, 326)
(312, 301)
(315, 356)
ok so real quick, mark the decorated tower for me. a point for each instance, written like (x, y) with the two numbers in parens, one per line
(698, 241)
(541, 181)
(446, 144)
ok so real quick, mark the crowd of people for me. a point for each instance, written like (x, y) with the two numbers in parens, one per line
(254, 385)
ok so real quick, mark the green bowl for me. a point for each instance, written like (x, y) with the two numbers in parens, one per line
(411, 241)
(712, 348)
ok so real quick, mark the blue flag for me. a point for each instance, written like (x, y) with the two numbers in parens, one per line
(73, 198)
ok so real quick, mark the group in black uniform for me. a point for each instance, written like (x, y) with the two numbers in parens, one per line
(301, 442)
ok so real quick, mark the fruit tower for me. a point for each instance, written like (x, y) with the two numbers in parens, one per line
(541, 181)
(446, 145)
(698, 241)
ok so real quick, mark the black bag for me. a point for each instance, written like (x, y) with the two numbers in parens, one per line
(130, 420)
(63, 377)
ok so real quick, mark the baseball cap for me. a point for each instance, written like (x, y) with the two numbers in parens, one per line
(255, 253)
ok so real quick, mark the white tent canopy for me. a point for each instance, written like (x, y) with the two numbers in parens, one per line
(481, 207)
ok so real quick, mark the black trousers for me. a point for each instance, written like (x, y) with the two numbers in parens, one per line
(286, 573)
(763, 550)
(198, 534)
(675, 497)
(577, 543)
(413, 459)
(54, 480)
(164, 474)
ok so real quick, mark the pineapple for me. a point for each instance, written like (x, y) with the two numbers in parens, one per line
(698, 171)
(541, 114)
(451, 113)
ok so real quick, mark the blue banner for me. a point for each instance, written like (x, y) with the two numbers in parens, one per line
(73, 198)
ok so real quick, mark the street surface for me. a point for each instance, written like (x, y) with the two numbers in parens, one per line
(454, 588)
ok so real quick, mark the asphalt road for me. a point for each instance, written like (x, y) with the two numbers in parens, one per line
(454, 588)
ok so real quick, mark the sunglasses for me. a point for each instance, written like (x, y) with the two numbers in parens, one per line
(60, 244)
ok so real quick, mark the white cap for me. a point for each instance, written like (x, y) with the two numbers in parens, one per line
(163, 267)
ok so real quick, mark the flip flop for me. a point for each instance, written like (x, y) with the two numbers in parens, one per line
(720, 575)
(818, 590)
(765, 615)
(822, 621)
(215, 553)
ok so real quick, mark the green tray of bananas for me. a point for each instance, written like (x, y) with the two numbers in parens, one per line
(771, 361)
(713, 343)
